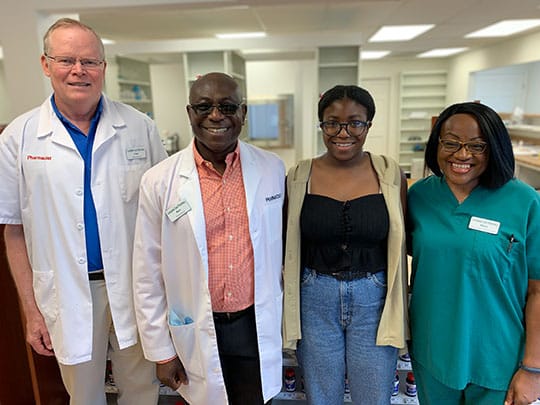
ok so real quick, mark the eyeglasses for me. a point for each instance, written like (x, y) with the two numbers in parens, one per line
(67, 62)
(206, 108)
(353, 127)
(474, 147)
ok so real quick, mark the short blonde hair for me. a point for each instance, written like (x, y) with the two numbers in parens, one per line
(66, 23)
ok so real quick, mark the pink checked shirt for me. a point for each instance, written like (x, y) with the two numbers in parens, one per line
(230, 253)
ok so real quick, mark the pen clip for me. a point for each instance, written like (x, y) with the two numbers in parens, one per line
(511, 241)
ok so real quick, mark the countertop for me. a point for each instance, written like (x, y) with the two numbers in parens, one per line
(532, 162)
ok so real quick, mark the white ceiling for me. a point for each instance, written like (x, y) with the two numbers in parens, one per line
(307, 23)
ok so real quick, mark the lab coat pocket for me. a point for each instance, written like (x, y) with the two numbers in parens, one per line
(187, 347)
(45, 293)
(130, 179)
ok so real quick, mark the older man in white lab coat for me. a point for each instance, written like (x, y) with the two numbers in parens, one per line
(70, 172)
(207, 262)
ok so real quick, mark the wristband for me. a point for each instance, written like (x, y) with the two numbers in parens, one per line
(534, 370)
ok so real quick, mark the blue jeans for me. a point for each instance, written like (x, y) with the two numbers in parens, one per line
(339, 328)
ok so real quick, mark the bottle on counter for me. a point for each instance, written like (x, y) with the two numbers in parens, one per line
(395, 390)
(290, 379)
(410, 385)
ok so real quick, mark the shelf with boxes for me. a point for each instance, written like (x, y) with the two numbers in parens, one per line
(422, 96)
(292, 389)
(134, 86)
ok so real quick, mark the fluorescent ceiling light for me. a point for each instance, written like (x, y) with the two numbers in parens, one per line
(504, 28)
(373, 54)
(241, 35)
(441, 52)
(1, 53)
(107, 41)
(399, 32)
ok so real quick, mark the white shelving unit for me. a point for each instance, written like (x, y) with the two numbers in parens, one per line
(336, 65)
(422, 96)
(134, 87)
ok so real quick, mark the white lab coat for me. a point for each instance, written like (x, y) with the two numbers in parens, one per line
(171, 270)
(42, 177)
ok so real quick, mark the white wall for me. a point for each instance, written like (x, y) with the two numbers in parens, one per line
(502, 88)
(4, 99)
(522, 49)
(532, 102)
(170, 99)
(268, 79)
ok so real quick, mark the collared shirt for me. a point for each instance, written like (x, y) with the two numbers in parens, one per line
(230, 252)
(84, 144)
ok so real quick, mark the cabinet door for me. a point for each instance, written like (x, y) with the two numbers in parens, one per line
(26, 377)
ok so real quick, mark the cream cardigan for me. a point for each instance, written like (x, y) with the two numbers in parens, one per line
(393, 327)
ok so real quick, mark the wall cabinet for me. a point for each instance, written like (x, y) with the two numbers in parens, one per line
(422, 95)
(134, 86)
(26, 377)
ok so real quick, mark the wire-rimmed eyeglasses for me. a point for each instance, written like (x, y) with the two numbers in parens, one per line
(67, 62)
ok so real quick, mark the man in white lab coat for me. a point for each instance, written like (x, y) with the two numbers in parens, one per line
(70, 172)
(207, 258)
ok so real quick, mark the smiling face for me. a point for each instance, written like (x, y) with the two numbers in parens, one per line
(216, 134)
(344, 147)
(462, 169)
(77, 90)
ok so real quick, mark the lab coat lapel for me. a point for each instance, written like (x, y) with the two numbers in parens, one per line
(108, 123)
(251, 175)
(190, 190)
(50, 125)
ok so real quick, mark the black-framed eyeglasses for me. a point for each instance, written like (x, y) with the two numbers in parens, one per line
(473, 147)
(353, 127)
(67, 62)
(224, 108)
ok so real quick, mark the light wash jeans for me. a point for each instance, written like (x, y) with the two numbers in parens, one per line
(339, 327)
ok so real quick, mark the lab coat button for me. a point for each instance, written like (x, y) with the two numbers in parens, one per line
(80, 227)
(79, 192)
(81, 260)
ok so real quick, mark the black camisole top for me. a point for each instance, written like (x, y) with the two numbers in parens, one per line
(344, 235)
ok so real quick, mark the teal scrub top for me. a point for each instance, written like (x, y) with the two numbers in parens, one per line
(470, 270)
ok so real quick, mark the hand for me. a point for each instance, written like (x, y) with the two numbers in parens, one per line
(37, 335)
(172, 373)
(524, 388)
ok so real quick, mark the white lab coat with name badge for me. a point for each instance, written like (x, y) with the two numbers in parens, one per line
(42, 177)
(171, 270)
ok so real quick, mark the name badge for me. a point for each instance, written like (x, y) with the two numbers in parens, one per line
(178, 211)
(484, 225)
(136, 153)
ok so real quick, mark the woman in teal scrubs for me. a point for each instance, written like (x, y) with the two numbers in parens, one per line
(475, 240)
